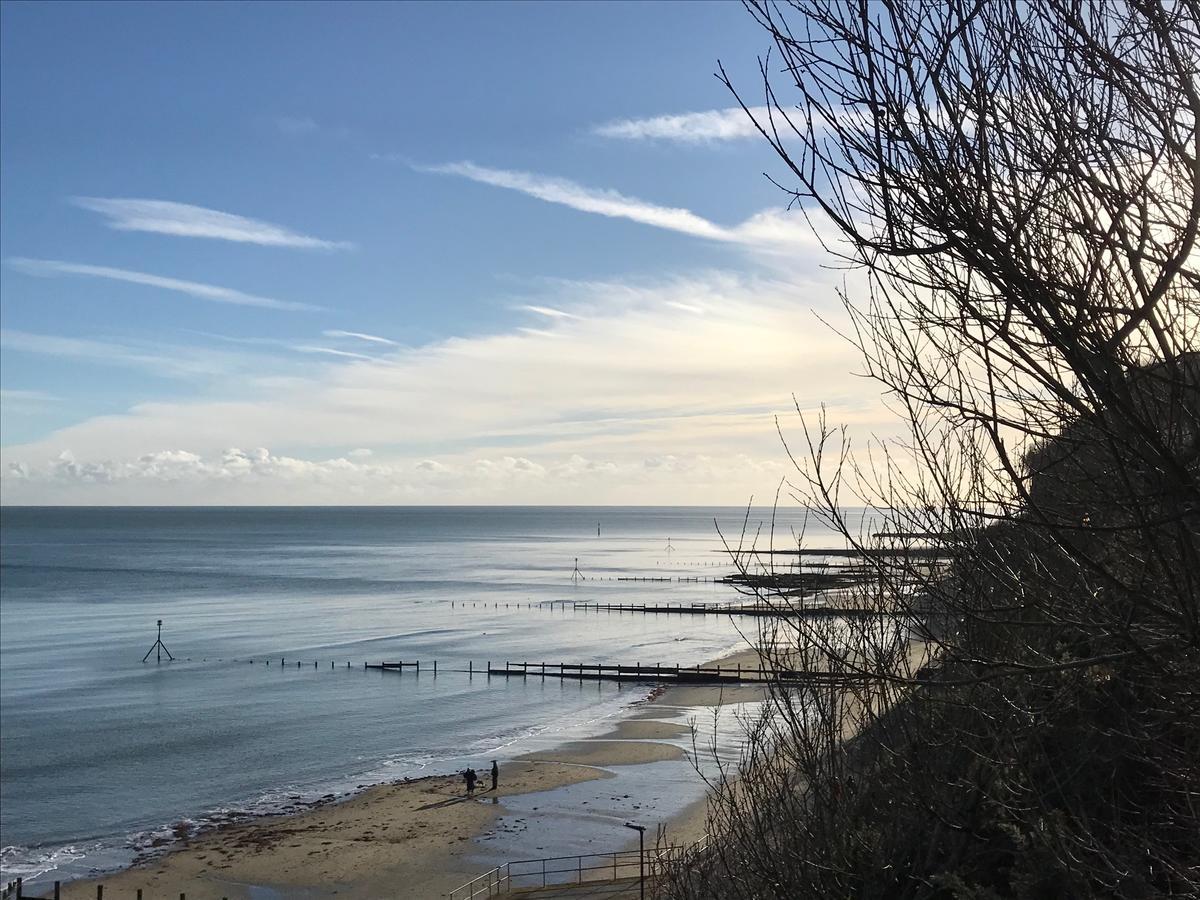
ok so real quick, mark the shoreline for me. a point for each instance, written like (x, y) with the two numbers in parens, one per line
(413, 837)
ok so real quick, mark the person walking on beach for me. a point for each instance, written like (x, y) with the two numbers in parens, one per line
(495, 774)
(470, 777)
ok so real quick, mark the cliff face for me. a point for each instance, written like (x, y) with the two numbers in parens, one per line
(1116, 499)
(1131, 463)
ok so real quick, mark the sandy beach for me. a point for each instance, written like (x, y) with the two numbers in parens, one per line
(407, 839)
(411, 838)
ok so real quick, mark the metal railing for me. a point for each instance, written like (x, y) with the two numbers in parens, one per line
(597, 867)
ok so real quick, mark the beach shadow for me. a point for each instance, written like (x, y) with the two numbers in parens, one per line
(443, 803)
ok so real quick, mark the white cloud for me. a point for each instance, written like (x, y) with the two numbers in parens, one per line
(358, 335)
(768, 230)
(49, 268)
(261, 476)
(507, 417)
(688, 128)
(185, 220)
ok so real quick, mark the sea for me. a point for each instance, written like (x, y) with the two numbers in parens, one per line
(270, 614)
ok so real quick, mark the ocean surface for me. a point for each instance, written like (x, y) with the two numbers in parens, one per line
(102, 755)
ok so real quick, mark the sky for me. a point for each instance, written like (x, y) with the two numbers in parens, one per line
(402, 254)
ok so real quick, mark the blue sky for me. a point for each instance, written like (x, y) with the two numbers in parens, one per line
(410, 253)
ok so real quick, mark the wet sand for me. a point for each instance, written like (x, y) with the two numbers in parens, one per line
(410, 839)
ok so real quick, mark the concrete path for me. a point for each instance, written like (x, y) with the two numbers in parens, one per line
(625, 889)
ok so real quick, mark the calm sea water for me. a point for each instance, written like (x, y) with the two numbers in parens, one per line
(100, 753)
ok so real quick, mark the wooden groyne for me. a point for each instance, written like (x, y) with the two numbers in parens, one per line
(399, 666)
(660, 674)
(16, 890)
(846, 553)
(717, 609)
(637, 672)
(812, 582)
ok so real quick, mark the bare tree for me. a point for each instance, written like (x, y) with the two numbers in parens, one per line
(1014, 711)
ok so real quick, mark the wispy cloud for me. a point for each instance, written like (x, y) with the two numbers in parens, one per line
(9, 395)
(537, 332)
(49, 268)
(185, 220)
(160, 360)
(549, 312)
(603, 202)
(359, 336)
(687, 128)
(770, 229)
(26, 402)
(330, 351)
(295, 125)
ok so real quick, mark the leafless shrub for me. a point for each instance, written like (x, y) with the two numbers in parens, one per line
(1018, 185)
